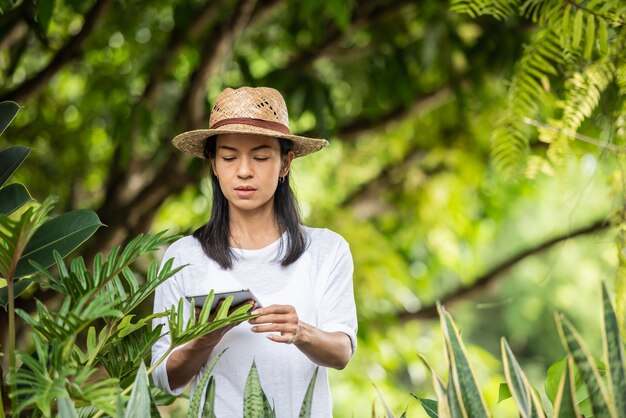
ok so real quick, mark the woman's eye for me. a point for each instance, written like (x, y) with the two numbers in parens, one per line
(261, 158)
(228, 158)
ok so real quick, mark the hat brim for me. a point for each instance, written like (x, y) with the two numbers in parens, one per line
(192, 142)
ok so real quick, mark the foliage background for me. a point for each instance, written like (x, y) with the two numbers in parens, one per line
(407, 92)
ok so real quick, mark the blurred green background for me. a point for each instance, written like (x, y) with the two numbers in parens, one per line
(408, 94)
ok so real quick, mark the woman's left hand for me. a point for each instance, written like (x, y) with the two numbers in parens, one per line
(278, 318)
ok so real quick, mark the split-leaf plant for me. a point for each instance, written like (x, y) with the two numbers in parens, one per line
(86, 353)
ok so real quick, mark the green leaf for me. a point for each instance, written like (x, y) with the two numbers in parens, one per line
(503, 392)
(63, 234)
(307, 403)
(523, 394)
(430, 406)
(209, 400)
(194, 406)
(614, 353)
(598, 394)
(255, 403)
(10, 158)
(44, 14)
(565, 402)
(388, 412)
(13, 197)
(8, 110)
(462, 373)
(554, 377)
(578, 29)
(590, 36)
(66, 408)
(603, 36)
(139, 403)
(18, 287)
(440, 390)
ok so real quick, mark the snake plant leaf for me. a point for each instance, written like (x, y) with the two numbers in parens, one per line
(10, 160)
(598, 394)
(63, 234)
(443, 410)
(523, 394)
(388, 412)
(565, 402)
(614, 354)
(209, 400)
(307, 402)
(66, 408)
(430, 406)
(462, 373)
(255, 403)
(453, 396)
(139, 403)
(194, 406)
(13, 197)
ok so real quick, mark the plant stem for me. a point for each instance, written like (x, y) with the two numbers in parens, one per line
(11, 375)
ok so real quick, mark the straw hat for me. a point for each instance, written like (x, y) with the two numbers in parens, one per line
(250, 110)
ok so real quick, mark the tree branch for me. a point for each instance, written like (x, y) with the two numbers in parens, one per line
(67, 53)
(482, 282)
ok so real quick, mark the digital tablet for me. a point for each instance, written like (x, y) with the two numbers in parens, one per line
(239, 297)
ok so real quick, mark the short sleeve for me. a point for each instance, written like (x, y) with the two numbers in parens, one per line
(166, 295)
(338, 310)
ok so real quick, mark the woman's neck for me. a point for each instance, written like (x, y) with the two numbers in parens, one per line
(251, 230)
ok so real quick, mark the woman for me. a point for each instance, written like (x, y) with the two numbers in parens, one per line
(254, 239)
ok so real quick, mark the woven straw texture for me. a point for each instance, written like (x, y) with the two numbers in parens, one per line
(260, 103)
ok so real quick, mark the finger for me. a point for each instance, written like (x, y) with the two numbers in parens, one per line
(274, 309)
(285, 329)
(285, 339)
(275, 318)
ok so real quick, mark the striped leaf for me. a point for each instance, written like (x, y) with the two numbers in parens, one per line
(614, 354)
(194, 405)
(430, 406)
(565, 402)
(462, 372)
(598, 394)
(209, 400)
(524, 395)
(453, 397)
(443, 410)
(307, 403)
(255, 403)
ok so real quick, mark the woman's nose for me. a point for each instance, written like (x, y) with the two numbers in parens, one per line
(245, 169)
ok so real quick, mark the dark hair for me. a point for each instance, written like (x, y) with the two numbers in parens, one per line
(214, 236)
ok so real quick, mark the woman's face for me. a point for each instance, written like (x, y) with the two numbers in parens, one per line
(248, 167)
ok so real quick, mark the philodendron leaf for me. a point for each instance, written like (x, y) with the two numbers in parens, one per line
(598, 394)
(462, 374)
(527, 403)
(13, 197)
(10, 159)
(565, 401)
(194, 406)
(614, 354)
(63, 234)
(307, 403)
(139, 403)
(255, 403)
(503, 392)
(8, 110)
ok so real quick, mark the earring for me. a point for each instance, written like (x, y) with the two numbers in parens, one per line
(281, 179)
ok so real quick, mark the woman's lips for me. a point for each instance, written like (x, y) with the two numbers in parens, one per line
(245, 192)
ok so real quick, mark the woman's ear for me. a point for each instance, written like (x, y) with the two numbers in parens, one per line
(213, 168)
(287, 159)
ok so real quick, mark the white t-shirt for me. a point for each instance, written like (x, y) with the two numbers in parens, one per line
(318, 285)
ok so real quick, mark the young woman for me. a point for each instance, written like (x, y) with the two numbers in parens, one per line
(254, 239)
